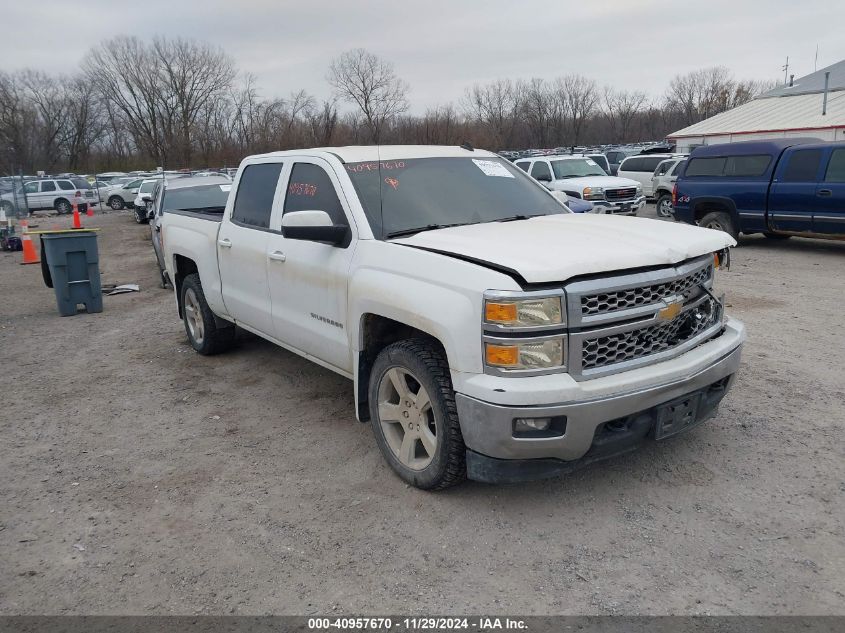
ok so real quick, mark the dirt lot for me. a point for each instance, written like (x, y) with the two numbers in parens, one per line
(138, 477)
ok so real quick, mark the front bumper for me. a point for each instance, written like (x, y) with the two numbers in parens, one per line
(494, 454)
(628, 207)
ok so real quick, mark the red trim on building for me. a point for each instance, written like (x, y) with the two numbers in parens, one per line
(791, 129)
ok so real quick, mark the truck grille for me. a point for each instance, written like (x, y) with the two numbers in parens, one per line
(605, 302)
(625, 321)
(602, 351)
(614, 195)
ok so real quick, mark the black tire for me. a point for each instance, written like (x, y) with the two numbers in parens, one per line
(720, 221)
(777, 236)
(141, 216)
(63, 207)
(116, 203)
(214, 339)
(426, 361)
(664, 199)
(8, 208)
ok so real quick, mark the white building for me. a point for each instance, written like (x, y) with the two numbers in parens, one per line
(792, 110)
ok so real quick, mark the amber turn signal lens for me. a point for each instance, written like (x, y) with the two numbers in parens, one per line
(500, 312)
(502, 355)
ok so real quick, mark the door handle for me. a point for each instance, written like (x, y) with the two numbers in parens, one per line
(225, 243)
(824, 192)
(277, 256)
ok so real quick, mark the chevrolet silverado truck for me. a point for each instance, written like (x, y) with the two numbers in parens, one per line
(779, 188)
(488, 331)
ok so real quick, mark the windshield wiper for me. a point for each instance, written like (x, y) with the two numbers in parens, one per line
(420, 229)
(513, 218)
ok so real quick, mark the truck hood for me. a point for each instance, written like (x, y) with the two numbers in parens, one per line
(555, 248)
(608, 182)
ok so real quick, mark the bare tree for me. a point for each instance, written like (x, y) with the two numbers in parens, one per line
(577, 98)
(496, 107)
(370, 83)
(621, 108)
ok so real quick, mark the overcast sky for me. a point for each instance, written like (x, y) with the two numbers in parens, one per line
(442, 46)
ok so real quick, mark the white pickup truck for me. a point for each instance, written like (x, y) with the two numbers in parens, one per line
(489, 332)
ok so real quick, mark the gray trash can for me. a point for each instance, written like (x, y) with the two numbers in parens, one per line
(74, 269)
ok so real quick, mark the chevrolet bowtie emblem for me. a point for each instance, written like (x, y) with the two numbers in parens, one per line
(672, 309)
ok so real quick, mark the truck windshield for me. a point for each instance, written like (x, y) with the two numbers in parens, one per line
(399, 196)
(200, 197)
(576, 168)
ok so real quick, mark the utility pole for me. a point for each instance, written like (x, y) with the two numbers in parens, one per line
(816, 60)
(785, 70)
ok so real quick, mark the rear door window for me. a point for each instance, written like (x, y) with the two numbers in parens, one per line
(803, 166)
(523, 166)
(836, 167)
(311, 189)
(540, 169)
(48, 185)
(254, 198)
(66, 185)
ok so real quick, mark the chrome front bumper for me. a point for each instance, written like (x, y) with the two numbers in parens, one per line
(629, 207)
(487, 428)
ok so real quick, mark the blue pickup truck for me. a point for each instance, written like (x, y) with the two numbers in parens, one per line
(780, 188)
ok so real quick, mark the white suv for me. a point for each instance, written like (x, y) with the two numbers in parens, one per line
(662, 181)
(582, 177)
(641, 168)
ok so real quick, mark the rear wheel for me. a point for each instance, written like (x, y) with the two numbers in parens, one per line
(116, 203)
(664, 205)
(200, 325)
(413, 415)
(721, 221)
(63, 206)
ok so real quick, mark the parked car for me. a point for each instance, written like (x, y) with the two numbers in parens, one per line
(615, 158)
(142, 197)
(488, 331)
(582, 177)
(779, 188)
(110, 176)
(641, 168)
(123, 196)
(197, 194)
(662, 183)
(48, 193)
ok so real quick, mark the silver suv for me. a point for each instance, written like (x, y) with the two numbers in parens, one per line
(662, 182)
(50, 193)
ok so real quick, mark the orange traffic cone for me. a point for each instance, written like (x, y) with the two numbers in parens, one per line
(90, 211)
(77, 222)
(30, 256)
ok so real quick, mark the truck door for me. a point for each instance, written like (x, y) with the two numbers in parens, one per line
(308, 280)
(242, 248)
(829, 217)
(792, 198)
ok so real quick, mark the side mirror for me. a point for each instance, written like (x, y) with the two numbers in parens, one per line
(314, 226)
(146, 198)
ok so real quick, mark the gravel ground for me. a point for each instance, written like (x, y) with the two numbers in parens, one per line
(138, 477)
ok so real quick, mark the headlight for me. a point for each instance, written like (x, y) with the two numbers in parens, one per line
(523, 312)
(593, 193)
(639, 190)
(538, 354)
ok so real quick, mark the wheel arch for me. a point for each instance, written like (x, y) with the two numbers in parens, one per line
(182, 267)
(702, 206)
(375, 332)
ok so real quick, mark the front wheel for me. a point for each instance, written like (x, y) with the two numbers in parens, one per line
(63, 207)
(413, 415)
(116, 203)
(720, 221)
(664, 206)
(200, 325)
(141, 215)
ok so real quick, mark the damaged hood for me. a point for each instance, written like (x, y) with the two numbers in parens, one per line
(555, 248)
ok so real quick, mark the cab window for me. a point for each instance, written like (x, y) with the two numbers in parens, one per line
(540, 170)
